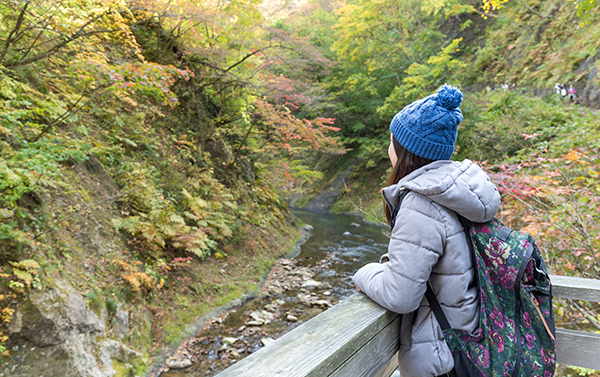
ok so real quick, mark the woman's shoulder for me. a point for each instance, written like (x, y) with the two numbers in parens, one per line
(420, 204)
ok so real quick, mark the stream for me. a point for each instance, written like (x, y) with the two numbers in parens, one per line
(296, 289)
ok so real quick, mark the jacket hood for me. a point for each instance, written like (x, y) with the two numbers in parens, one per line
(460, 186)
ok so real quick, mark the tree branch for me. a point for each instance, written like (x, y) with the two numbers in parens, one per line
(14, 31)
(36, 39)
(237, 150)
(533, 10)
(70, 112)
(248, 56)
(79, 34)
(485, 14)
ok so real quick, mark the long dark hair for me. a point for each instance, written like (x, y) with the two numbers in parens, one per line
(406, 164)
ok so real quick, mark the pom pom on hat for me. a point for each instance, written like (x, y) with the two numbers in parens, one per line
(449, 97)
(428, 127)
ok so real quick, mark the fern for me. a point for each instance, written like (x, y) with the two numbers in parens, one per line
(209, 214)
(26, 271)
(196, 242)
(137, 279)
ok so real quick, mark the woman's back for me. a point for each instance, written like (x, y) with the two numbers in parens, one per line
(428, 243)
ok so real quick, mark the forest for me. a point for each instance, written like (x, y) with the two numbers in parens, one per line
(150, 149)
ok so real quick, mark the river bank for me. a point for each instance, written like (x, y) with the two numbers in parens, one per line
(240, 331)
(297, 288)
(98, 325)
(229, 282)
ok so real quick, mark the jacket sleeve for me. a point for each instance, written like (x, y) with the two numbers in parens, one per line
(417, 242)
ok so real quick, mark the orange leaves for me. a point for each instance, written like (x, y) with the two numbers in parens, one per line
(556, 200)
(147, 79)
(292, 134)
(575, 156)
(131, 274)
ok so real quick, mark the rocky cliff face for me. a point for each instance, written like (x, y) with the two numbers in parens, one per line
(325, 199)
(53, 334)
(52, 331)
(589, 95)
(87, 319)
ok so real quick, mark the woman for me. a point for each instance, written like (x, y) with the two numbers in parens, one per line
(428, 243)
(572, 93)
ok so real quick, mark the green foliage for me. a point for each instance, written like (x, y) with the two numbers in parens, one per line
(95, 302)
(586, 10)
(207, 119)
(111, 306)
(372, 149)
(501, 124)
(188, 222)
(148, 81)
(585, 371)
(386, 61)
(423, 79)
(26, 272)
(535, 50)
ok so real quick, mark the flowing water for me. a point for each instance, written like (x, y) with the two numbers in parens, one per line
(348, 245)
(338, 245)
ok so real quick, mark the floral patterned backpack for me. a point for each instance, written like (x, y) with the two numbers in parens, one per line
(516, 334)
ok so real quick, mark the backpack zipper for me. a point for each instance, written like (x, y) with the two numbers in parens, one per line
(537, 307)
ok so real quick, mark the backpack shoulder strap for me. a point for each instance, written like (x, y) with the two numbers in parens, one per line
(436, 308)
(433, 301)
(401, 195)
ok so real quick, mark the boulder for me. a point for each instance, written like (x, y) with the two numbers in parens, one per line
(178, 363)
(52, 333)
(311, 284)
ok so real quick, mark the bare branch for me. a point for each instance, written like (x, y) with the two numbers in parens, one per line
(70, 112)
(79, 34)
(237, 150)
(593, 321)
(485, 14)
(36, 39)
(248, 56)
(14, 31)
(533, 10)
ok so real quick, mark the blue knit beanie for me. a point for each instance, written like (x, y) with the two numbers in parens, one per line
(427, 127)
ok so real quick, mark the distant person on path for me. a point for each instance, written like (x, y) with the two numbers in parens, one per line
(557, 88)
(424, 194)
(572, 93)
(563, 90)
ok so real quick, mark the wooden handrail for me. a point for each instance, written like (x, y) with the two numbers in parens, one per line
(359, 338)
(327, 343)
(575, 288)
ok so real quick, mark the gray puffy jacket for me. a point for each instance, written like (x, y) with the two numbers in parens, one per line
(428, 243)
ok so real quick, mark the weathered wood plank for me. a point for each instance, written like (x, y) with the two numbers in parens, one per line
(575, 288)
(374, 355)
(319, 346)
(389, 368)
(578, 348)
(359, 338)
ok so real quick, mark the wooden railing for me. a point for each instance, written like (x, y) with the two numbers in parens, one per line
(359, 338)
